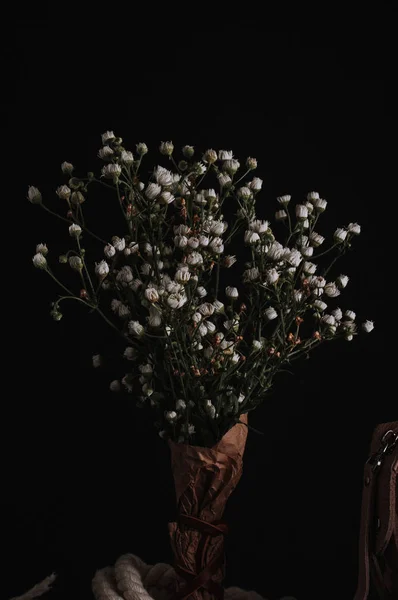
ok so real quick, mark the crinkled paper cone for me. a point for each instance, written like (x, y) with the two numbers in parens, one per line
(204, 479)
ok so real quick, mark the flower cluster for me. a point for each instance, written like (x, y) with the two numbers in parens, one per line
(199, 353)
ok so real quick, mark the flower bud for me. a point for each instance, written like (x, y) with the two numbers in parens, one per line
(34, 195)
(39, 261)
(42, 248)
(77, 198)
(76, 263)
(75, 230)
(166, 148)
(210, 156)
(368, 326)
(188, 151)
(141, 148)
(340, 235)
(251, 163)
(108, 136)
(102, 269)
(67, 168)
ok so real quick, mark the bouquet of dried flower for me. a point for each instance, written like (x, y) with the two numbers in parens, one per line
(210, 310)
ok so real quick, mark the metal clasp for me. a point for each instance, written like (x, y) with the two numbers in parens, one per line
(388, 443)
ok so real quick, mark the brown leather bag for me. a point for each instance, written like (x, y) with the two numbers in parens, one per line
(378, 538)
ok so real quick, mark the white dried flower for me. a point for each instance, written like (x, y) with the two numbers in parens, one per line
(210, 156)
(206, 309)
(42, 248)
(316, 281)
(307, 251)
(349, 337)
(111, 171)
(127, 157)
(349, 314)
(276, 251)
(64, 192)
(319, 205)
(201, 291)
(311, 196)
(231, 166)
(129, 353)
(257, 345)
(147, 389)
(34, 195)
(166, 198)
(151, 294)
(218, 307)
(102, 269)
(163, 176)
(115, 386)
(108, 136)
(224, 180)
(251, 237)
(180, 241)
(119, 243)
(208, 352)
(305, 224)
(202, 329)
(320, 305)
(125, 275)
(75, 230)
(259, 226)
(105, 152)
(271, 276)
(170, 416)
(194, 258)
(235, 358)
(135, 284)
(193, 242)
(146, 369)
(216, 227)
(181, 405)
(177, 300)
(294, 257)
(284, 200)
(146, 269)
(182, 276)
(136, 329)
(154, 319)
(251, 163)
(197, 317)
(301, 211)
(270, 313)
(354, 228)
(216, 245)
(39, 261)
(337, 313)
(109, 251)
(141, 148)
(76, 263)
(255, 184)
(244, 193)
(316, 239)
(342, 281)
(67, 168)
(280, 215)
(231, 292)
(210, 327)
(309, 268)
(166, 148)
(225, 154)
(368, 326)
(298, 295)
(152, 191)
(210, 409)
(329, 319)
(340, 235)
(251, 274)
(97, 361)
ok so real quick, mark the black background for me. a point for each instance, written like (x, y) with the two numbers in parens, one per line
(86, 478)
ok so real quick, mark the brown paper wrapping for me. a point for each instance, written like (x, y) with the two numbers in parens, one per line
(204, 479)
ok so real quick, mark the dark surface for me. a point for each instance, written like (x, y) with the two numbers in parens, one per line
(87, 480)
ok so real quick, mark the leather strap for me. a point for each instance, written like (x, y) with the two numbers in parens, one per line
(204, 574)
(379, 494)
